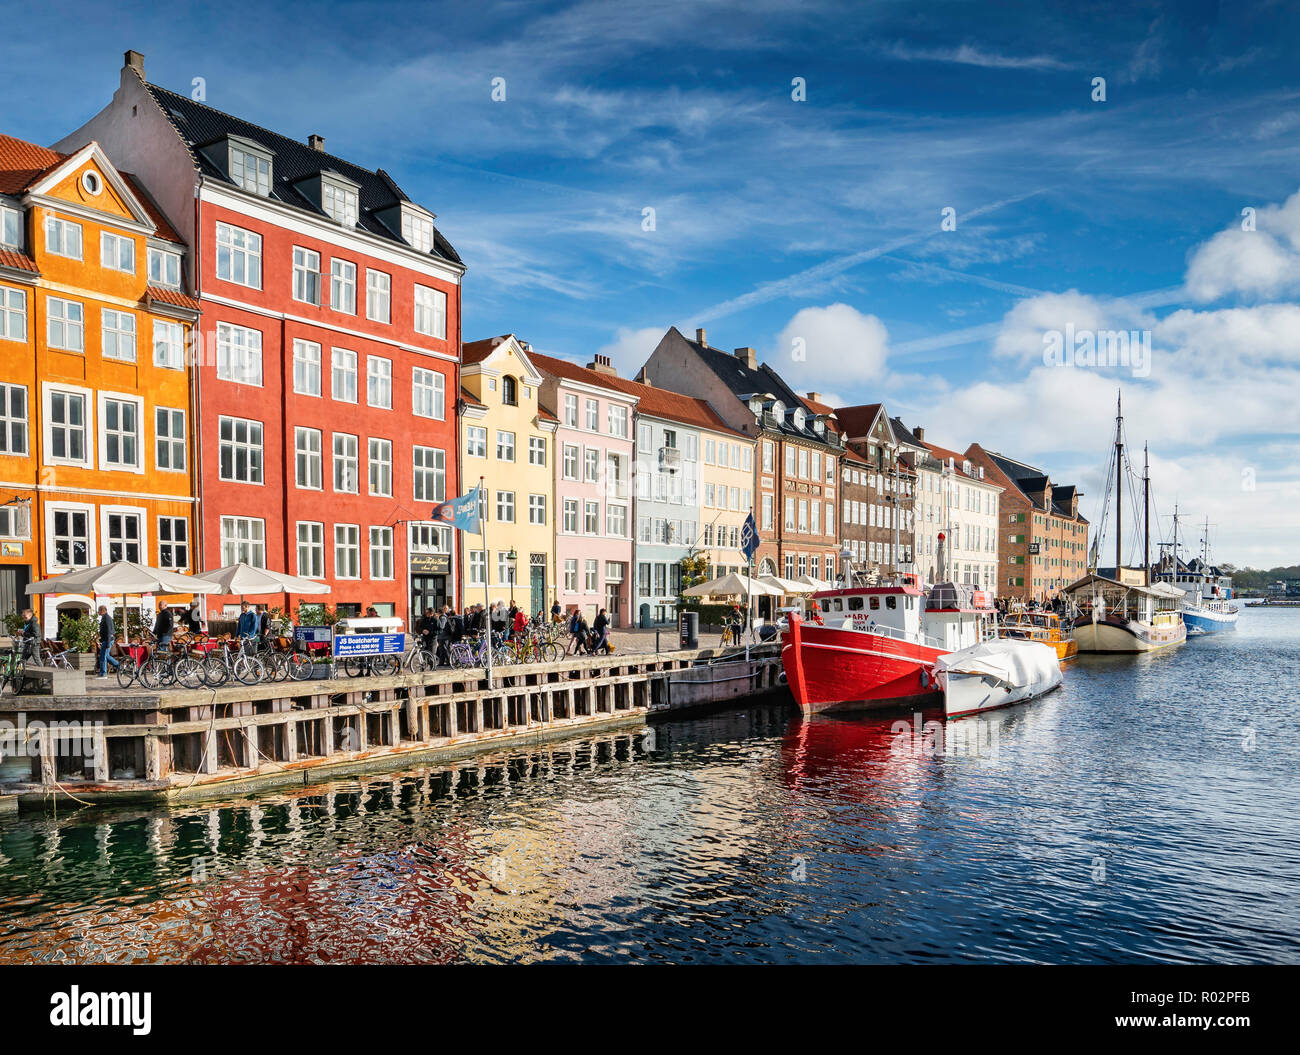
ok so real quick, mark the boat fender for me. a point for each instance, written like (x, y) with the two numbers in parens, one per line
(925, 677)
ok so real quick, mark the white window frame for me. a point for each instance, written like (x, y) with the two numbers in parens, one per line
(306, 276)
(343, 285)
(57, 231)
(422, 466)
(168, 344)
(302, 357)
(245, 550)
(88, 441)
(428, 391)
(430, 312)
(379, 456)
(306, 457)
(164, 437)
(67, 324)
(111, 324)
(313, 542)
(339, 367)
(13, 314)
(381, 547)
(12, 424)
(239, 256)
(172, 521)
(379, 294)
(379, 382)
(255, 450)
(349, 458)
(245, 340)
(347, 543)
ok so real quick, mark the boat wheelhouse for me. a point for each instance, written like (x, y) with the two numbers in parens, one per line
(1044, 627)
(1125, 616)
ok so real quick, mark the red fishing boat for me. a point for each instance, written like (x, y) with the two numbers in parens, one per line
(876, 645)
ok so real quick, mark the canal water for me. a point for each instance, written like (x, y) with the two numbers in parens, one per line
(1147, 811)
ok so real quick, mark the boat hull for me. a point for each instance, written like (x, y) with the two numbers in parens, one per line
(973, 693)
(996, 674)
(832, 670)
(1113, 635)
(1205, 621)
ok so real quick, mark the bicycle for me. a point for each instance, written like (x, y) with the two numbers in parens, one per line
(134, 658)
(11, 669)
(231, 659)
(534, 648)
(418, 660)
(472, 652)
(732, 633)
(50, 657)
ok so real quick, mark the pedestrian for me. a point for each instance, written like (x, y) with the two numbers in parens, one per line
(162, 628)
(444, 636)
(263, 625)
(31, 637)
(600, 631)
(427, 627)
(576, 634)
(519, 623)
(557, 615)
(194, 617)
(246, 628)
(106, 634)
(583, 635)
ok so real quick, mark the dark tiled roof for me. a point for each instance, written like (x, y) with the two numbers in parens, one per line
(200, 125)
(857, 421)
(744, 382)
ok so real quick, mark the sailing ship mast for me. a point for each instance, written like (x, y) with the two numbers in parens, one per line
(1119, 483)
(1146, 510)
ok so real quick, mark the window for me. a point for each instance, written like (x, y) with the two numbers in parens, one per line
(537, 509)
(168, 345)
(571, 576)
(536, 450)
(62, 238)
(618, 421)
(571, 412)
(430, 475)
(118, 335)
(430, 312)
(65, 324)
(506, 507)
(476, 441)
(164, 268)
(116, 253)
(477, 567)
(306, 275)
(120, 435)
(571, 515)
(243, 541)
(71, 538)
(122, 541)
(311, 549)
(240, 450)
(67, 428)
(505, 446)
(250, 171)
(591, 518)
(616, 520)
(591, 457)
(380, 463)
(11, 228)
(570, 461)
(379, 382)
(173, 543)
(339, 202)
(13, 314)
(307, 458)
(591, 570)
(428, 394)
(347, 551)
(593, 415)
(381, 553)
(505, 567)
(509, 392)
(767, 512)
(345, 463)
(306, 368)
(13, 419)
(239, 256)
(239, 354)
(343, 375)
(417, 231)
(343, 286)
(789, 514)
(169, 439)
(379, 296)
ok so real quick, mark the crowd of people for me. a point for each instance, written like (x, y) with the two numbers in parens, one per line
(440, 628)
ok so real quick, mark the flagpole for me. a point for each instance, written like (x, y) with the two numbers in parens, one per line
(487, 609)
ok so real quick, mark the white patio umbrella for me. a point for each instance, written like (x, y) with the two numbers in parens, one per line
(243, 579)
(731, 585)
(785, 587)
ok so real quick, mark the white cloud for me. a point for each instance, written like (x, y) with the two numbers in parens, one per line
(831, 346)
(630, 348)
(1256, 263)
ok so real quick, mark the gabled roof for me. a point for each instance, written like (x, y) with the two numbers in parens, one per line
(476, 351)
(857, 421)
(200, 125)
(470, 399)
(943, 453)
(549, 364)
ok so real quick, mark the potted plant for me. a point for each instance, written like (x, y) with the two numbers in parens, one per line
(80, 636)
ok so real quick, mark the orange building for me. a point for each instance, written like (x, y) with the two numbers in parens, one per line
(96, 407)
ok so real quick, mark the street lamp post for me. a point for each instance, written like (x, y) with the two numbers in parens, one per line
(512, 557)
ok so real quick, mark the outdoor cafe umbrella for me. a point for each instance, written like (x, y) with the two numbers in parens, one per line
(243, 579)
(123, 578)
(732, 585)
(788, 587)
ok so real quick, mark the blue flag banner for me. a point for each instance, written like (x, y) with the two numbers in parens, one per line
(749, 539)
(459, 512)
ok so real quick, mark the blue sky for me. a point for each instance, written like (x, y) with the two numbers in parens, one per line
(778, 219)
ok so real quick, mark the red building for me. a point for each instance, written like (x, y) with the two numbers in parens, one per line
(329, 368)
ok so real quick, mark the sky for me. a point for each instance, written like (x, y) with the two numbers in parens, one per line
(919, 203)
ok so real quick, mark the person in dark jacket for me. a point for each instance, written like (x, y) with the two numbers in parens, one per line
(194, 617)
(162, 628)
(263, 625)
(600, 632)
(246, 628)
(583, 635)
(31, 637)
(427, 629)
(444, 636)
(106, 634)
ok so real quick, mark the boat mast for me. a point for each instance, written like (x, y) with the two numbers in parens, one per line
(1119, 483)
(1146, 510)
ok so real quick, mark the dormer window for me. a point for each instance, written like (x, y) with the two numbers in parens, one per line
(164, 268)
(417, 230)
(820, 426)
(778, 409)
(339, 201)
(250, 169)
(798, 417)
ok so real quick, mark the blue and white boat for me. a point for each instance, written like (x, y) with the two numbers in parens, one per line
(1207, 591)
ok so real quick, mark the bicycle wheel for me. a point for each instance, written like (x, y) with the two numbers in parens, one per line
(166, 670)
(550, 652)
(126, 672)
(277, 665)
(215, 671)
(421, 661)
(387, 666)
(249, 669)
(297, 666)
(188, 672)
(147, 675)
(504, 657)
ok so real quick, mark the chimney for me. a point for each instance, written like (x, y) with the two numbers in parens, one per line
(602, 365)
(919, 433)
(816, 397)
(316, 143)
(134, 60)
(747, 356)
(701, 338)
(644, 379)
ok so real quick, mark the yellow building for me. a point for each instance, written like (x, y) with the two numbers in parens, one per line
(96, 408)
(726, 497)
(508, 439)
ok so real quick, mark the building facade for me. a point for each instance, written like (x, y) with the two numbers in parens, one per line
(1043, 541)
(96, 404)
(726, 498)
(593, 471)
(509, 442)
(330, 350)
(891, 488)
(970, 503)
(797, 451)
(855, 503)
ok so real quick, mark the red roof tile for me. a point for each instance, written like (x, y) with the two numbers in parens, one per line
(171, 296)
(470, 398)
(857, 421)
(16, 260)
(477, 351)
(23, 163)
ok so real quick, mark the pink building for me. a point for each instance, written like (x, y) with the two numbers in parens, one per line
(593, 486)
